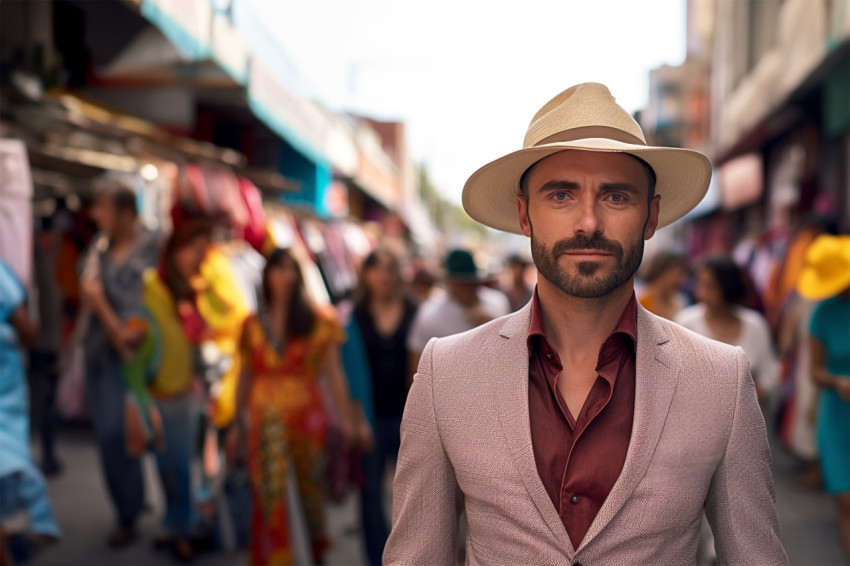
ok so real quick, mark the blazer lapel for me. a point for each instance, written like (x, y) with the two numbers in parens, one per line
(510, 395)
(656, 375)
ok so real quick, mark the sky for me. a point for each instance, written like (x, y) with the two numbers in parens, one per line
(466, 76)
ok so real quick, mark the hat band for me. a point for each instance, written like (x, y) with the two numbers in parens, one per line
(585, 132)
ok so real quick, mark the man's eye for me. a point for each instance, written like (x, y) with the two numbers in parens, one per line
(561, 196)
(617, 198)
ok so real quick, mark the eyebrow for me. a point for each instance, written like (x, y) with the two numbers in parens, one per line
(624, 187)
(559, 185)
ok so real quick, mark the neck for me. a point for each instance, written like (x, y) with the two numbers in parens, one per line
(278, 306)
(382, 300)
(124, 233)
(719, 312)
(662, 292)
(576, 324)
(463, 303)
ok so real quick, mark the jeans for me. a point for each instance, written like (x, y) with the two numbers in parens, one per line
(180, 420)
(375, 525)
(123, 473)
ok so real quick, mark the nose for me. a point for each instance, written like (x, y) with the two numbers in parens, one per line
(588, 219)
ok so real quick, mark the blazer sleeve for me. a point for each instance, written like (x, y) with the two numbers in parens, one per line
(741, 503)
(426, 497)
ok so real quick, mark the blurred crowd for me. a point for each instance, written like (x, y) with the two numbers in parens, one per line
(262, 391)
(786, 303)
(260, 411)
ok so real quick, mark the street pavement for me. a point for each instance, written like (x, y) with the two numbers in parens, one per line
(807, 516)
(86, 518)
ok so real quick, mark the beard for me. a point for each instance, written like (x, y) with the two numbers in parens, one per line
(586, 284)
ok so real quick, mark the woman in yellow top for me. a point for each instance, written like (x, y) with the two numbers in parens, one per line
(175, 326)
(281, 417)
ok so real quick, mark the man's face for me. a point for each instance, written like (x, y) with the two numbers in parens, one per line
(517, 269)
(587, 217)
(103, 214)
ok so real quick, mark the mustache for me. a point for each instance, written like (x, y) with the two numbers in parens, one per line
(583, 243)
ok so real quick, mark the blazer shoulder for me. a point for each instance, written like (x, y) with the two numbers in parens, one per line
(461, 362)
(702, 359)
(708, 368)
(469, 343)
(687, 339)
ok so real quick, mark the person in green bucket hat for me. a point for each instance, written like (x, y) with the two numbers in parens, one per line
(466, 304)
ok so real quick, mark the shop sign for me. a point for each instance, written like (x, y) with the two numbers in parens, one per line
(741, 181)
(228, 49)
(186, 23)
(295, 119)
(340, 147)
(378, 182)
(710, 202)
(221, 6)
(376, 173)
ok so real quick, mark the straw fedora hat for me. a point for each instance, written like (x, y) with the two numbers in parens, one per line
(827, 270)
(585, 117)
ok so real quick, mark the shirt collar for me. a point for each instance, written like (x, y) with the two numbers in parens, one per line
(627, 325)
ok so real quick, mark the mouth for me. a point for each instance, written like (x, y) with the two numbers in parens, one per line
(588, 254)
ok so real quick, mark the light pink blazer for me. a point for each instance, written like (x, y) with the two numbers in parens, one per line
(698, 444)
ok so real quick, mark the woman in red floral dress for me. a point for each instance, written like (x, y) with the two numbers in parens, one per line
(282, 419)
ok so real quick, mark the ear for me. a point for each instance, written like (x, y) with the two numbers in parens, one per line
(652, 221)
(522, 211)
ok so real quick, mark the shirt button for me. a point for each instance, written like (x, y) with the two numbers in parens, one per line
(549, 356)
(574, 499)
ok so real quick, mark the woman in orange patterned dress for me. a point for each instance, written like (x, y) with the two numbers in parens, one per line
(282, 420)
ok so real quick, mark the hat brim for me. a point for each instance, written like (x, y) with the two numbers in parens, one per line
(814, 288)
(682, 178)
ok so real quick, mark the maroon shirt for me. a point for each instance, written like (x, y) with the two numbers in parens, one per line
(580, 458)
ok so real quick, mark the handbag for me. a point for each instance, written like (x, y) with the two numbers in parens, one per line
(142, 427)
(71, 391)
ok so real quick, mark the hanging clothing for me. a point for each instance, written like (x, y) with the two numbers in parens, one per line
(22, 486)
(287, 430)
(223, 307)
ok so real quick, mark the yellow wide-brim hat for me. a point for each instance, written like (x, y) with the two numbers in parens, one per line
(585, 117)
(827, 270)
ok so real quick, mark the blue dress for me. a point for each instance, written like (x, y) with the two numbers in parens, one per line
(22, 486)
(831, 326)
